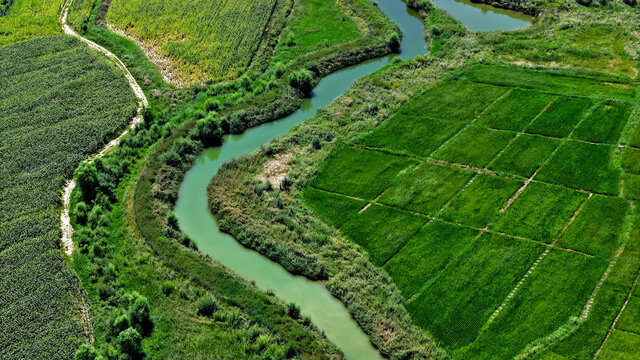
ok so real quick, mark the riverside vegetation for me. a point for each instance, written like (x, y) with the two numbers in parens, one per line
(151, 293)
(128, 214)
(435, 195)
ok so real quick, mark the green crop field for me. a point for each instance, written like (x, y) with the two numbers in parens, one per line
(59, 102)
(500, 223)
(20, 23)
(206, 39)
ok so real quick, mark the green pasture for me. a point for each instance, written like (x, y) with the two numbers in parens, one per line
(560, 118)
(459, 153)
(348, 169)
(481, 200)
(426, 189)
(540, 212)
(525, 155)
(516, 110)
(556, 291)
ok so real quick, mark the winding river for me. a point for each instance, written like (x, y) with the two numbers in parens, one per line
(195, 219)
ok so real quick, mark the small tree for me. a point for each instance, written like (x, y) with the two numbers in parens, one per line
(130, 343)
(81, 212)
(394, 42)
(302, 80)
(293, 310)
(207, 306)
(208, 131)
(86, 352)
(140, 315)
(87, 176)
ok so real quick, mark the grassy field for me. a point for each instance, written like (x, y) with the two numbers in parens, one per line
(20, 23)
(205, 40)
(191, 42)
(60, 103)
(459, 230)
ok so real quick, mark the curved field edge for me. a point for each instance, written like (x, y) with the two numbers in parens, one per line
(43, 289)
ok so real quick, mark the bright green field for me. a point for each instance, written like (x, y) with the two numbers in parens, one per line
(454, 223)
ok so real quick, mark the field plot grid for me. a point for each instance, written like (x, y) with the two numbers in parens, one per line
(494, 202)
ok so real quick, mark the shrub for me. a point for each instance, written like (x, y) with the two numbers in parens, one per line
(394, 42)
(118, 323)
(293, 311)
(208, 131)
(94, 216)
(130, 343)
(140, 315)
(420, 5)
(168, 287)
(302, 80)
(81, 212)
(172, 220)
(212, 105)
(207, 306)
(279, 69)
(86, 352)
(87, 180)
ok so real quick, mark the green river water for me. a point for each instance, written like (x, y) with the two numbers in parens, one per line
(195, 219)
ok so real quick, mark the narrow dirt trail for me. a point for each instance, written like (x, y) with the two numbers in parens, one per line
(65, 221)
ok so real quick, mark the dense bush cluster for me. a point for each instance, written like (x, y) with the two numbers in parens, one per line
(53, 117)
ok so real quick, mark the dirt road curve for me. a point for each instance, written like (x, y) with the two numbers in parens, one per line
(65, 223)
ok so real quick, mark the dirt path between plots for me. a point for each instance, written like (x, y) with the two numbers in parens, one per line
(65, 221)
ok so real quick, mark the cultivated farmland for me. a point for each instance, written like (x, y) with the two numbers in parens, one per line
(59, 103)
(503, 222)
(206, 39)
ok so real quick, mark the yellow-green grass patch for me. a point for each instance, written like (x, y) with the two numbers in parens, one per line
(360, 173)
(313, 25)
(540, 212)
(604, 124)
(525, 155)
(406, 134)
(582, 166)
(455, 100)
(561, 117)
(29, 19)
(475, 146)
(557, 290)
(433, 247)
(552, 82)
(205, 39)
(427, 188)
(382, 231)
(455, 306)
(481, 200)
(597, 229)
(334, 209)
(515, 110)
(620, 346)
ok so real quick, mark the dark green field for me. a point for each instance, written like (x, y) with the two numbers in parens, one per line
(59, 103)
(498, 219)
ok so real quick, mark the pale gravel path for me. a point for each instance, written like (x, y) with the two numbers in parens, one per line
(65, 221)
